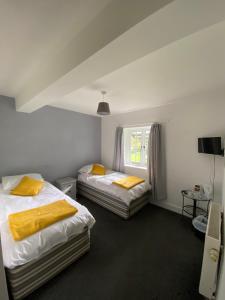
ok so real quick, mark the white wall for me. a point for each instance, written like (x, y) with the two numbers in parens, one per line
(183, 123)
(221, 287)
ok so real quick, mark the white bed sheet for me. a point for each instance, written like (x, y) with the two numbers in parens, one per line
(17, 253)
(104, 183)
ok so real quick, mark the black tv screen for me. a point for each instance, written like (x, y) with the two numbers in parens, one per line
(210, 145)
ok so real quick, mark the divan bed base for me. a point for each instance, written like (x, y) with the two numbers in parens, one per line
(24, 279)
(112, 203)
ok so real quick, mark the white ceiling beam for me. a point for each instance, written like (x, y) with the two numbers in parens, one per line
(125, 31)
(117, 17)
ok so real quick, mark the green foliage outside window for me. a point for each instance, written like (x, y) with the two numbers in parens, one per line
(136, 147)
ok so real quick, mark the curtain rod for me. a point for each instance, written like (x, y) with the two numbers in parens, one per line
(137, 125)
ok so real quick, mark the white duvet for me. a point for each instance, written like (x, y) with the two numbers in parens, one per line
(21, 252)
(104, 183)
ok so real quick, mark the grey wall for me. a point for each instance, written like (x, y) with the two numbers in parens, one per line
(51, 141)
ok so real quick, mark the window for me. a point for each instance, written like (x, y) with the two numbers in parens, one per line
(136, 146)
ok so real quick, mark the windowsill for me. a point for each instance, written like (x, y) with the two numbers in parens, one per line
(135, 167)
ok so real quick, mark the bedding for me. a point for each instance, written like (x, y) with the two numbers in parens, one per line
(113, 203)
(24, 279)
(16, 253)
(104, 183)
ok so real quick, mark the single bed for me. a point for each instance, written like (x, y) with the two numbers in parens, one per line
(34, 260)
(100, 189)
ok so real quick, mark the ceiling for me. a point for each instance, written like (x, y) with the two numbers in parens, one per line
(185, 67)
(31, 31)
(63, 53)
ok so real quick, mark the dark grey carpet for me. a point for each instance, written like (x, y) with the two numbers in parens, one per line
(154, 255)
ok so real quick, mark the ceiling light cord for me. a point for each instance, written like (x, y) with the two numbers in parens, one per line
(103, 95)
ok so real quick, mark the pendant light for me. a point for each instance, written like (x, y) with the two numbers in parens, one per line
(103, 107)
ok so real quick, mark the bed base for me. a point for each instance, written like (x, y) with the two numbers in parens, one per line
(24, 279)
(112, 203)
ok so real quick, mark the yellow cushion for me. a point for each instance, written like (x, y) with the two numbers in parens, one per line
(98, 170)
(28, 222)
(28, 187)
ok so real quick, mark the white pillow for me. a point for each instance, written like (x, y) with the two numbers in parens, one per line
(9, 182)
(86, 169)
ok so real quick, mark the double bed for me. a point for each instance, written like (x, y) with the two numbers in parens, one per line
(34, 260)
(100, 189)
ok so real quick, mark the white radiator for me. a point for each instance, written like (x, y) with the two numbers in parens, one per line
(211, 255)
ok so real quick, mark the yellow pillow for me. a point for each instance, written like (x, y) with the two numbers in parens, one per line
(98, 170)
(28, 187)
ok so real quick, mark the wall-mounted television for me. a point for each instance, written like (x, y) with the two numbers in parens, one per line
(210, 145)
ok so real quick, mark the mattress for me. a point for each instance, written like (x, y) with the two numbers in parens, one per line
(104, 183)
(28, 277)
(112, 203)
(31, 248)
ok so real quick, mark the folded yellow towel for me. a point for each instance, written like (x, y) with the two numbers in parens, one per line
(128, 182)
(28, 222)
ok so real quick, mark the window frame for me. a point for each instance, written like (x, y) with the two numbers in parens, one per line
(128, 131)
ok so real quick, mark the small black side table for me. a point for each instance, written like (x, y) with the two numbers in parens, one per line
(188, 194)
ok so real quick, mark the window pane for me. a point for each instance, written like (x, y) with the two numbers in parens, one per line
(147, 132)
(136, 138)
(136, 146)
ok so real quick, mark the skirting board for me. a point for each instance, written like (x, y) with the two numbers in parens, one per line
(167, 205)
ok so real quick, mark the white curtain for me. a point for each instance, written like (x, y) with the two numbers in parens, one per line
(118, 160)
(156, 163)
